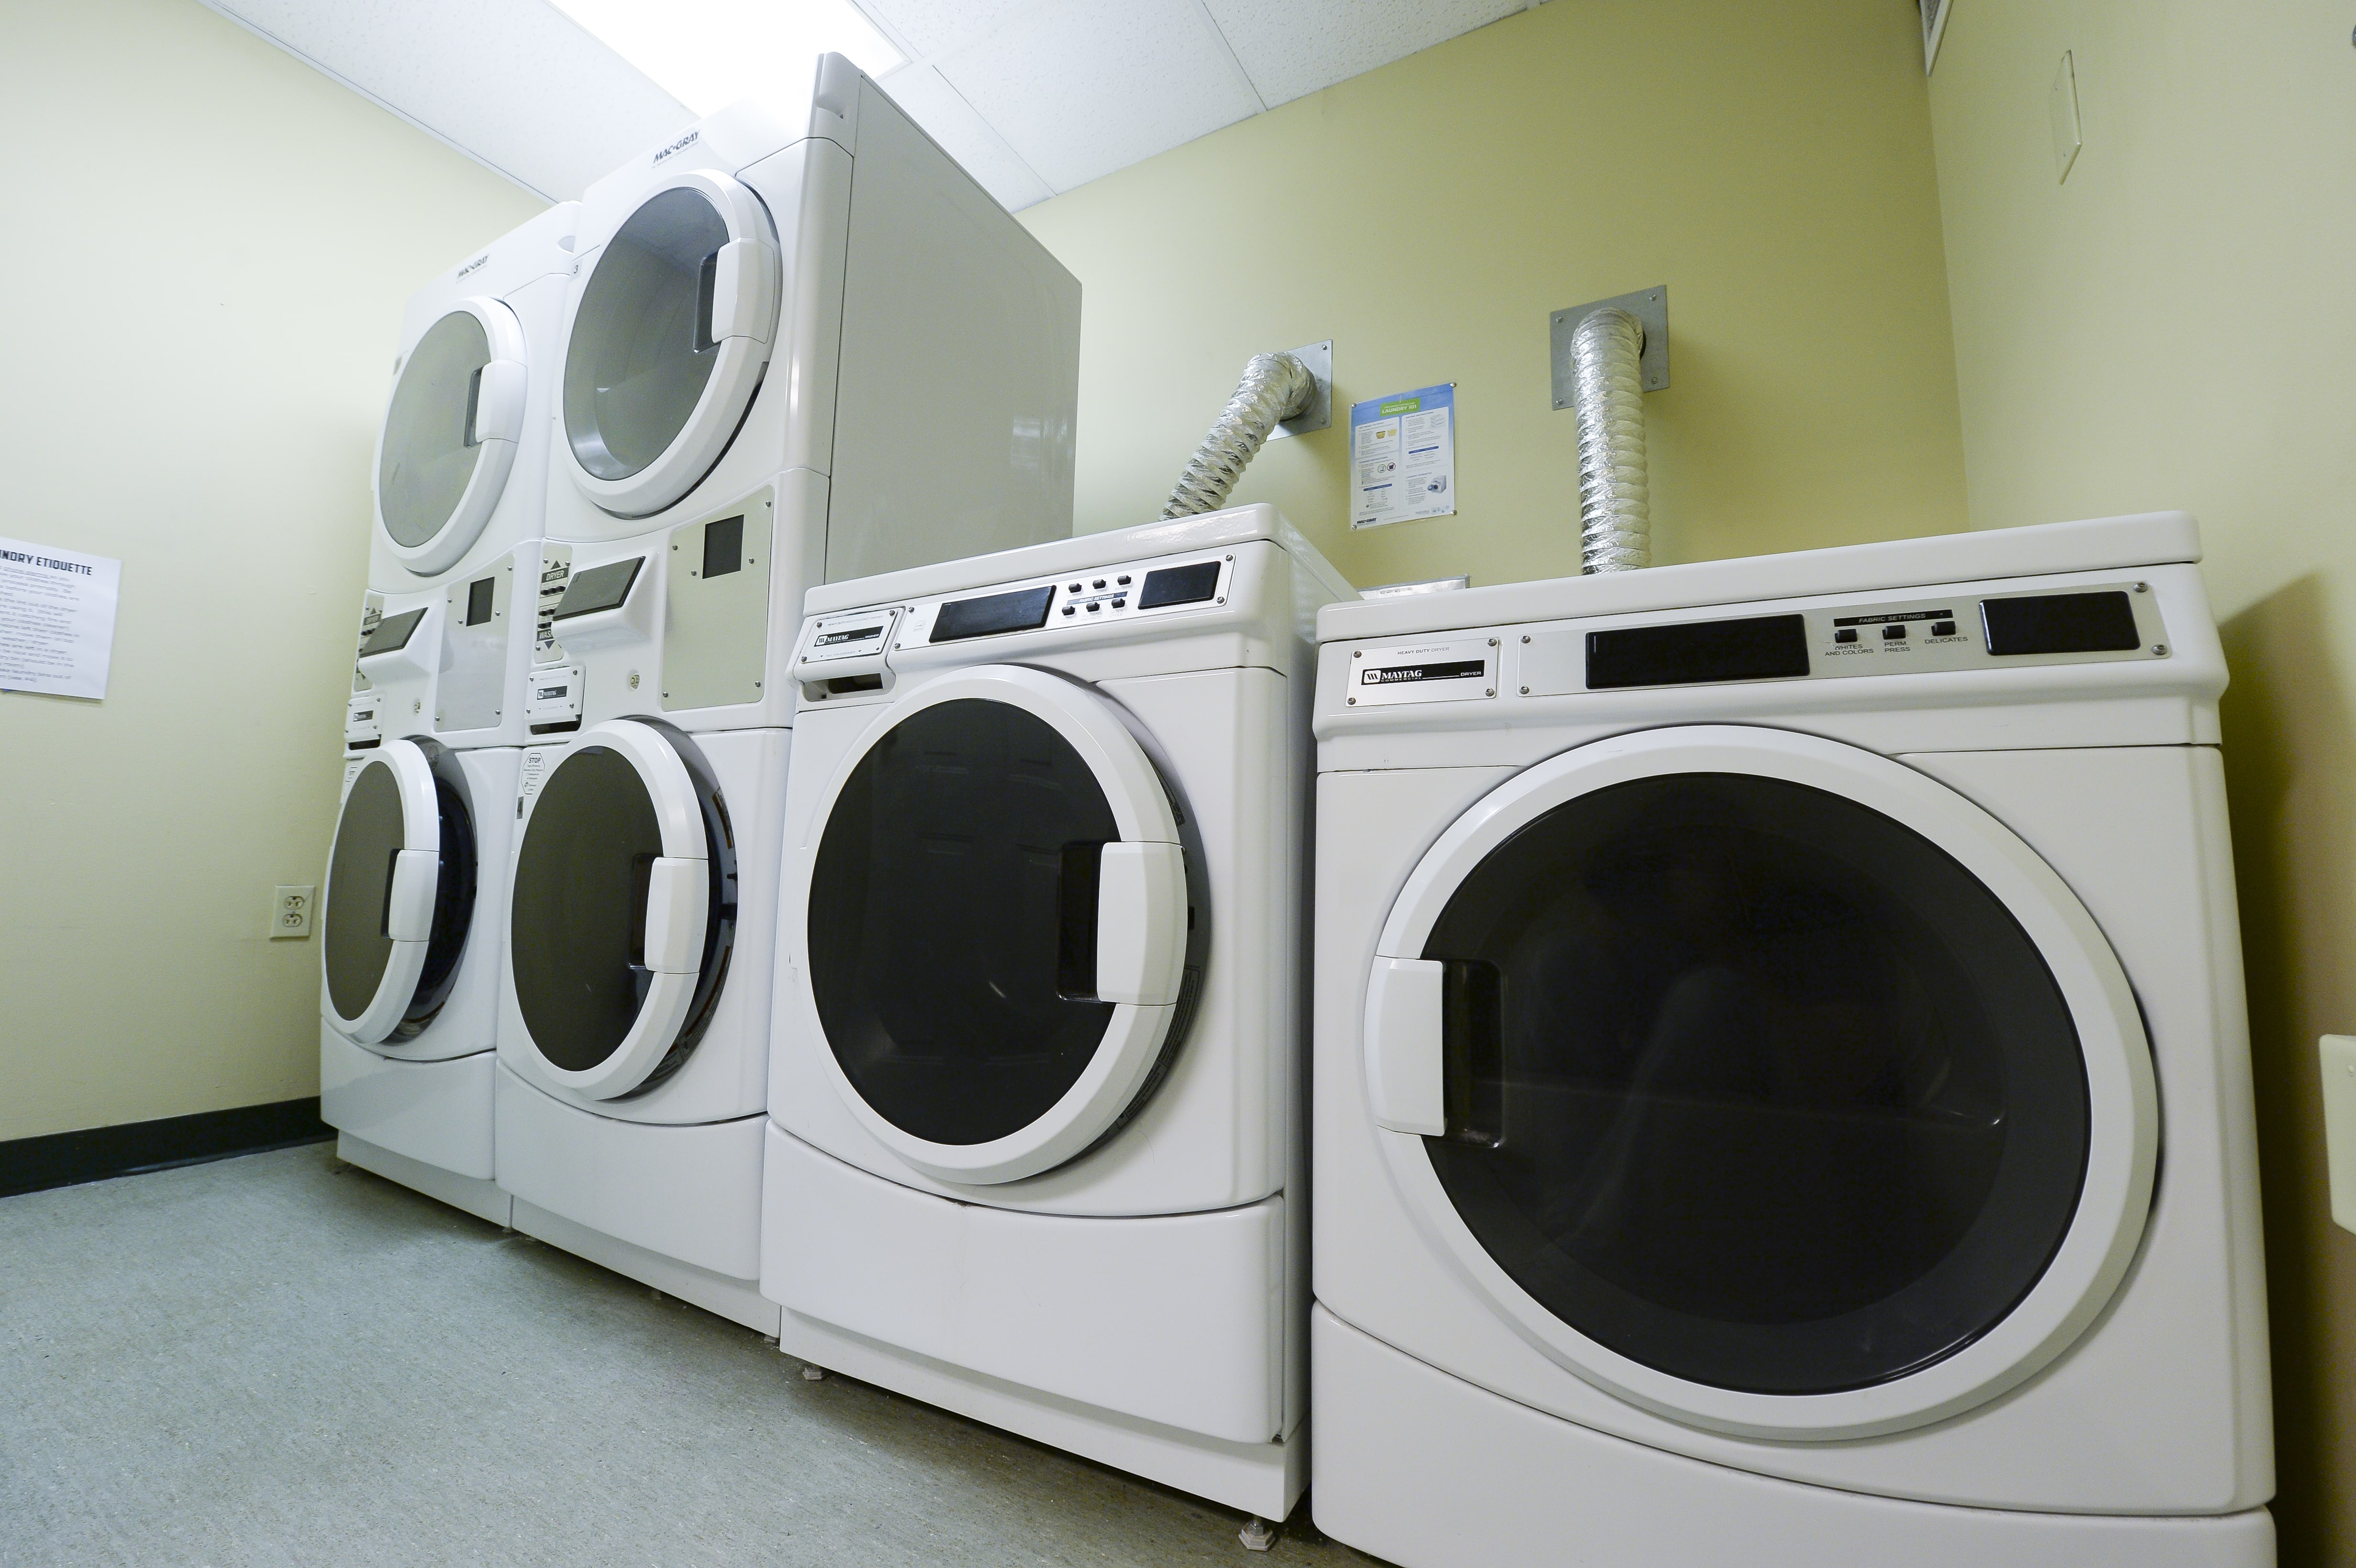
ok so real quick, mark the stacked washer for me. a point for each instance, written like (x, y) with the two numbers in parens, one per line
(1752, 1001)
(409, 988)
(1035, 1152)
(801, 344)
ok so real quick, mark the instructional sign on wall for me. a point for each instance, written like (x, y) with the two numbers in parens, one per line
(1403, 450)
(57, 619)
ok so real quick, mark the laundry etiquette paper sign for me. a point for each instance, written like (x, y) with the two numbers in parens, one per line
(57, 619)
(1403, 457)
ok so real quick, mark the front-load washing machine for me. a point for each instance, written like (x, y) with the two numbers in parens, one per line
(1783, 1092)
(409, 954)
(1035, 1151)
(461, 477)
(801, 344)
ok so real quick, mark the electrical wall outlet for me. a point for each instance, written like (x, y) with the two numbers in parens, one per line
(290, 911)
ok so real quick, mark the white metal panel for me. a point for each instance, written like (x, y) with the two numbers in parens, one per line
(1080, 88)
(1290, 47)
(965, 135)
(436, 1112)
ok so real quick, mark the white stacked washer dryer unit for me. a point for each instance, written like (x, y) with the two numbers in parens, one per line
(802, 343)
(410, 948)
(1783, 1086)
(1035, 1152)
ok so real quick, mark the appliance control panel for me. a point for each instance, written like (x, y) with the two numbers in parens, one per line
(552, 698)
(854, 642)
(363, 730)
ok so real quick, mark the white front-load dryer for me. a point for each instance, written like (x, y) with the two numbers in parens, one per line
(799, 345)
(1783, 1086)
(633, 1005)
(461, 477)
(1035, 1152)
(408, 950)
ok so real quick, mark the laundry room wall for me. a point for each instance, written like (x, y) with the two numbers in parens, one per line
(209, 245)
(1771, 164)
(2173, 327)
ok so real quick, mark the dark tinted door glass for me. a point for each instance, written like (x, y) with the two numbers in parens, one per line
(354, 946)
(430, 449)
(957, 869)
(577, 935)
(641, 348)
(1754, 1085)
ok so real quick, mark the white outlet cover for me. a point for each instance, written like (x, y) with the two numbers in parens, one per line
(2338, 1053)
(290, 911)
(2062, 104)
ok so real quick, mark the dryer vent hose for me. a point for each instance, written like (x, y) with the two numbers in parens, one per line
(1615, 509)
(1276, 387)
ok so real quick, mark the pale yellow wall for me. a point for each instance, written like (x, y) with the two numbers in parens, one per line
(205, 250)
(1770, 163)
(2176, 327)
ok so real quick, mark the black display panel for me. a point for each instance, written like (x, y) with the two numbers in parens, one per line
(1760, 647)
(1179, 585)
(2060, 623)
(391, 634)
(479, 594)
(1024, 610)
(1754, 1085)
(952, 922)
(724, 546)
(599, 588)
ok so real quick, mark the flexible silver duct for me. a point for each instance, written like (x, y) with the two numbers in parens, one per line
(1615, 510)
(1274, 387)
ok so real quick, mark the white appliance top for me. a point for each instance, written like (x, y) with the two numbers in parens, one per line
(2102, 544)
(534, 250)
(1084, 554)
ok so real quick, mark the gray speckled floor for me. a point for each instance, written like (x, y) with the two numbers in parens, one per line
(279, 1359)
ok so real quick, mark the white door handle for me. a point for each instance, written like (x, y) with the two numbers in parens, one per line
(498, 402)
(409, 899)
(678, 896)
(1140, 923)
(743, 290)
(1403, 1022)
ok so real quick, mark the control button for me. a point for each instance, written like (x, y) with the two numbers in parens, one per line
(1846, 635)
(1099, 582)
(1075, 588)
(1942, 628)
(1120, 603)
(1095, 605)
(1123, 581)
(1067, 609)
(1893, 633)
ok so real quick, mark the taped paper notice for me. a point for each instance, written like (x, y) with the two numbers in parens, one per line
(57, 619)
(1403, 456)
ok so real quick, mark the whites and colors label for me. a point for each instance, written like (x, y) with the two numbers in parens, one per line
(1403, 457)
(1451, 671)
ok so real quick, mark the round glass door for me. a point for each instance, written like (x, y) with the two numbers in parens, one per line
(669, 339)
(1754, 1085)
(994, 925)
(953, 909)
(450, 433)
(622, 910)
(1778, 1086)
(399, 894)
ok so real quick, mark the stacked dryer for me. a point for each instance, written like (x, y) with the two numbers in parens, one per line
(1783, 1089)
(800, 345)
(410, 951)
(1035, 1152)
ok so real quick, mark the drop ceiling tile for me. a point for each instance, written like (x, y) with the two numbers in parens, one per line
(949, 120)
(1080, 88)
(512, 83)
(934, 26)
(1290, 47)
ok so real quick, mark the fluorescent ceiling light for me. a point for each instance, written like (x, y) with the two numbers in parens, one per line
(710, 53)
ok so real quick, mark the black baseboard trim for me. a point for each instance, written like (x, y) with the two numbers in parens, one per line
(95, 1154)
